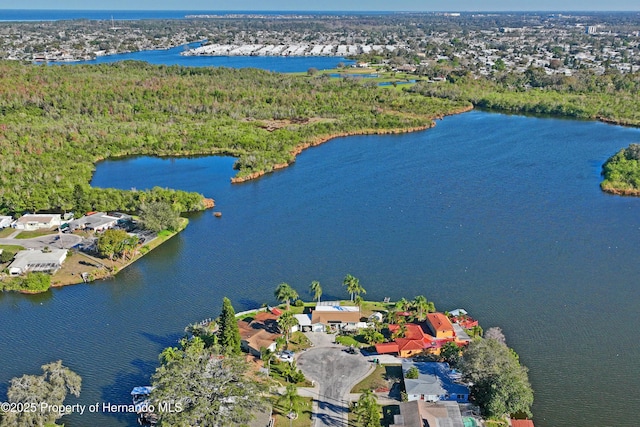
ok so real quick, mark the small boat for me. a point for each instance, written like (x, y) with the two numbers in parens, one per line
(217, 214)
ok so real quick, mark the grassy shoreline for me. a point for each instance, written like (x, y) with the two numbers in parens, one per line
(79, 263)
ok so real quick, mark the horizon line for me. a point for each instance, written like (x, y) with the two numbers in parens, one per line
(326, 10)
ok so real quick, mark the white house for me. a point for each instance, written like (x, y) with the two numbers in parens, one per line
(37, 261)
(32, 222)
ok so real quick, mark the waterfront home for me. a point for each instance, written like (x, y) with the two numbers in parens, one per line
(30, 222)
(40, 261)
(331, 313)
(461, 317)
(260, 332)
(419, 413)
(436, 382)
(425, 338)
(440, 326)
(305, 325)
(521, 423)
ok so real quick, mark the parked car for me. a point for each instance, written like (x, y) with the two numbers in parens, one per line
(285, 356)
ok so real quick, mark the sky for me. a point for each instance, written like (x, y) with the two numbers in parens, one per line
(331, 5)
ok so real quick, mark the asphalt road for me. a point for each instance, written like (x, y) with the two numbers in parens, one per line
(336, 372)
(62, 241)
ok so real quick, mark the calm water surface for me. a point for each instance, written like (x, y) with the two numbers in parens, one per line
(501, 215)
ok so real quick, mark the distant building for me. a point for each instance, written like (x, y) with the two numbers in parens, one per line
(30, 222)
(37, 261)
(591, 29)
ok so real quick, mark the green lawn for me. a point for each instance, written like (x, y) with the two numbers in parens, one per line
(304, 416)
(6, 232)
(383, 376)
(12, 248)
(36, 233)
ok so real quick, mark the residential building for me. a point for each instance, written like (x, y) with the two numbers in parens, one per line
(37, 261)
(261, 332)
(440, 326)
(435, 382)
(521, 423)
(97, 221)
(30, 222)
(419, 413)
(337, 316)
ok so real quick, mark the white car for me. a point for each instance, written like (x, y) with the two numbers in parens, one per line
(285, 356)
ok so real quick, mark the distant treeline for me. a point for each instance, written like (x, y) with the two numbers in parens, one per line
(612, 97)
(56, 122)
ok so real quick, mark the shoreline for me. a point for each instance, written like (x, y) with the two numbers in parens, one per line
(104, 269)
(322, 139)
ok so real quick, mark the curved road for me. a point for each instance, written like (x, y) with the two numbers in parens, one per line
(336, 372)
(62, 241)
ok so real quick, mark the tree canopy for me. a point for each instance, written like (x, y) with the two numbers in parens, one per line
(160, 215)
(285, 293)
(500, 384)
(622, 172)
(51, 388)
(209, 388)
(57, 122)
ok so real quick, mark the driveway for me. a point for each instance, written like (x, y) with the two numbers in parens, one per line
(335, 372)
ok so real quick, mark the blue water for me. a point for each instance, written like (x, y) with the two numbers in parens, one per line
(500, 215)
(281, 64)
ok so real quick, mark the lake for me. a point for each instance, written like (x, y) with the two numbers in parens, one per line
(280, 64)
(501, 215)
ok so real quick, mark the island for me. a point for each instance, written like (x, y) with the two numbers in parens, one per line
(621, 172)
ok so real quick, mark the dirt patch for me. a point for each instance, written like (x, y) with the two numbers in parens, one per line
(271, 125)
(77, 264)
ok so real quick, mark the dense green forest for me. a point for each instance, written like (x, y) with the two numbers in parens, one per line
(611, 97)
(56, 122)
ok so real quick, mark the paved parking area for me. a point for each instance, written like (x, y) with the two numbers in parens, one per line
(335, 372)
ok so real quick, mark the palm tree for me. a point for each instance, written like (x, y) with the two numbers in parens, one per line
(316, 290)
(353, 286)
(421, 305)
(285, 293)
(291, 401)
(266, 355)
(286, 321)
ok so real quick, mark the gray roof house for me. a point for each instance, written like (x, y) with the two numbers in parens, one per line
(420, 414)
(37, 261)
(435, 382)
(98, 221)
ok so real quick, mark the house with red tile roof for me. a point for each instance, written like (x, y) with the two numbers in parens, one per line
(522, 423)
(440, 326)
(417, 339)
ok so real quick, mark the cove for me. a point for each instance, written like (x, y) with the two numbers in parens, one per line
(501, 215)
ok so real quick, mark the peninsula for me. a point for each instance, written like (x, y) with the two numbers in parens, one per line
(359, 362)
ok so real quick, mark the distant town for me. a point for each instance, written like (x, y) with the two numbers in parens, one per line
(479, 43)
